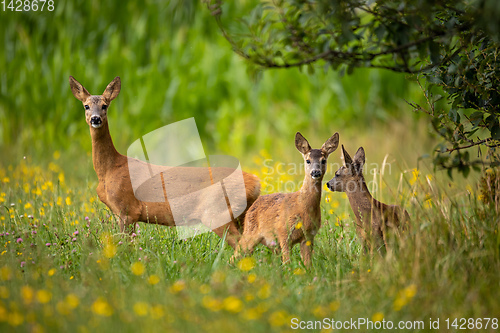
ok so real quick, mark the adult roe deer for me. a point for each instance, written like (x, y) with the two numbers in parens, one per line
(290, 218)
(372, 217)
(115, 189)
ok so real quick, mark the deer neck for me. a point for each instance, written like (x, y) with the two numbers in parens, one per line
(360, 199)
(310, 192)
(104, 154)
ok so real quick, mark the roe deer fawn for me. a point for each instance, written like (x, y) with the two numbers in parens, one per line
(115, 189)
(290, 218)
(372, 217)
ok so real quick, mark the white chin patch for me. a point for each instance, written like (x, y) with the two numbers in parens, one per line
(313, 177)
(96, 125)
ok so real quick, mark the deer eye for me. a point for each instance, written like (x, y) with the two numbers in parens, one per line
(308, 161)
(323, 162)
(104, 107)
(87, 107)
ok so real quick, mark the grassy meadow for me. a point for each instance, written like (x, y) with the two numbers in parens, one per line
(64, 266)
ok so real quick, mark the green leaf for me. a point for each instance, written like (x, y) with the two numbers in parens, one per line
(434, 52)
(454, 115)
(476, 118)
(495, 131)
(436, 98)
(465, 170)
(491, 121)
(380, 32)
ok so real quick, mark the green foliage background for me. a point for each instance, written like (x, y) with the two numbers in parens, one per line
(174, 64)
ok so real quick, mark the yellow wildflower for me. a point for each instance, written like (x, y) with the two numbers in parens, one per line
(43, 296)
(378, 316)
(204, 289)
(109, 250)
(102, 308)
(246, 264)
(178, 286)
(27, 294)
(233, 304)
(156, 311)
(137, 268)
(5, 272)
(153, 279)
(264, 292)
(251, 278)
(4, 292)
(320, 312)
(278, 318)
(252, 314)
(4, 315)
(141, 309)
(334, 306)
(15, 318)
(72, 301)
(211, 303)
(411, 290)
(414, 178)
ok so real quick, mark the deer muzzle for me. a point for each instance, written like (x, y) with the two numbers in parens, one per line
(315, 174)
(334, 185)
(96, 121)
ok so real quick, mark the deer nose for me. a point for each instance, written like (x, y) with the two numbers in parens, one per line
(329, 186)
(315, 174)
(96, 121)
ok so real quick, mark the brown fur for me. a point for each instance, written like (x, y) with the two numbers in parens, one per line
(273, 219)
(115, 188)
(373, 218)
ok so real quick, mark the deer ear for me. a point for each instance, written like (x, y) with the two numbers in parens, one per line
(331, 144)
(113, 89)
(301, 144)
(78, 90)
(359, 159)
(346, 157)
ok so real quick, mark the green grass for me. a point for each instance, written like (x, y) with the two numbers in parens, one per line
(446, 267)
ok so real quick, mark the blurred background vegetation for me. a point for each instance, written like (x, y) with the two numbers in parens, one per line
(175, 64)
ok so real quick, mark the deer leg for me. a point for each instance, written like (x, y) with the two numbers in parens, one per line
(246, 245)
(127, 224)
(232, 234)
(285, 250)
(383, 231)
(306, 247)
